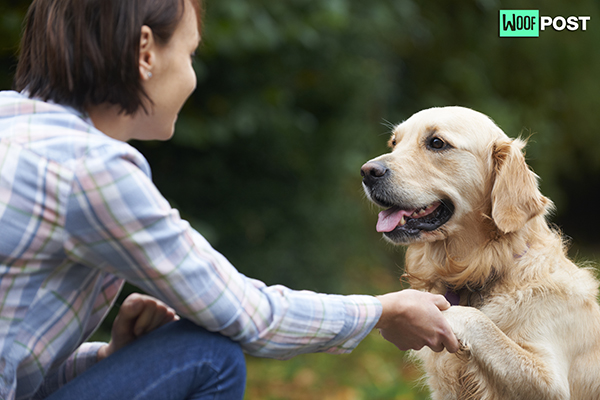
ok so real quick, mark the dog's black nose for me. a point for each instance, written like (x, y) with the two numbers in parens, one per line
(372, 171)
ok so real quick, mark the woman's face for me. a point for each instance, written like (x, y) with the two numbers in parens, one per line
(168, 77)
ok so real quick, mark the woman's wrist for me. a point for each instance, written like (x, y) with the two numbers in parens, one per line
(390, 308)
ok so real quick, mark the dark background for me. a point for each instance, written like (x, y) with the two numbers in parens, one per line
(294, 96)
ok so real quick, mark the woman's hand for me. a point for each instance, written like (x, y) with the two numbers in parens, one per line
(138, 315)
(412, 319)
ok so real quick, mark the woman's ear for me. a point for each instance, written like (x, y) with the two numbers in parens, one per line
(147, 53)
(516, 197)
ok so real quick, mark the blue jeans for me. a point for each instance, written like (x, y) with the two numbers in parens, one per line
(179, 361)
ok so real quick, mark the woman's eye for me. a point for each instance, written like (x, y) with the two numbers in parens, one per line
(436, 143)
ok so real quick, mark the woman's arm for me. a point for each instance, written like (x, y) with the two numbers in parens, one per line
(119, 222)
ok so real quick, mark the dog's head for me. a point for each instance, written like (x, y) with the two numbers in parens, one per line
(448, 168)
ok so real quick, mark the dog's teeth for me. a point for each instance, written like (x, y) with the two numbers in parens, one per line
(402, 221)
(422, 211)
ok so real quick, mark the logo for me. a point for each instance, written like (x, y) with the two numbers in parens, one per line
(528, 23)
(519, 23)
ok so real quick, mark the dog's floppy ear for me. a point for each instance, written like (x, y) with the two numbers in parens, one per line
(516, 197)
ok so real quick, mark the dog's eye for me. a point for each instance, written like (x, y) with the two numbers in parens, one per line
(392, 142)
(436, 143)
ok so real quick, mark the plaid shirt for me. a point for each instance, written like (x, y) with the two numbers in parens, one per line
(79, 215)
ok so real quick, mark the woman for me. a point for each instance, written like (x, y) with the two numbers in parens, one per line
(80, 215)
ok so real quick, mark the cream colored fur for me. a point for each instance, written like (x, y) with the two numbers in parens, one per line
(534, 332)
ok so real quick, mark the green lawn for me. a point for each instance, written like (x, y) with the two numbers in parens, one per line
(376, 370)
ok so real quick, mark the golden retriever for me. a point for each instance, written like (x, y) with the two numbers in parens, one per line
(458, 191)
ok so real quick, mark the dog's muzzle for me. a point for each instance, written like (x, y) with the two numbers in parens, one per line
(403, 220)
(373, 172)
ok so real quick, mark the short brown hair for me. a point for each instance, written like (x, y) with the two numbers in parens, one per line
(86, 52)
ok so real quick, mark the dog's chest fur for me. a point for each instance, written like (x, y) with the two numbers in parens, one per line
(457, 376)
(519, 314)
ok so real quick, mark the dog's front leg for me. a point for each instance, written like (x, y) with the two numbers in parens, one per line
(514, 371)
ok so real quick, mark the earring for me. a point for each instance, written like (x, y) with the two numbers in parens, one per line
(149, 75)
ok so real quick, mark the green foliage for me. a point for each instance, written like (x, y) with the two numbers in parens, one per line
(273, 159)
(294, 96)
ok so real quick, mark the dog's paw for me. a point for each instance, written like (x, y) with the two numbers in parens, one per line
(463, 321)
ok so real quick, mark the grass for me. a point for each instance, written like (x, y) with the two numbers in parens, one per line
(375, 370)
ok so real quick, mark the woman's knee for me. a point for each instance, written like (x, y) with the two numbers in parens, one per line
(218, 362)
(225, 356)
(180, 359)
(202, 344)
(233, 369)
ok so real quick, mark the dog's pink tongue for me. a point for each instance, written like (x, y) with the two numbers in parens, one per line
(390, 219)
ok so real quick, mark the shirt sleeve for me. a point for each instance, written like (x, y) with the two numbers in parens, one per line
(82, 359)
(118, 221)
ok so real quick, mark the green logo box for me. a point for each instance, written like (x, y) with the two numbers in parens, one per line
(519, 23)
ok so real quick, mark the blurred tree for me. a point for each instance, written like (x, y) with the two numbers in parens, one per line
(294, 96)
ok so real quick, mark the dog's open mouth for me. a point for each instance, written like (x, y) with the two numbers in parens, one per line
(398, 222)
